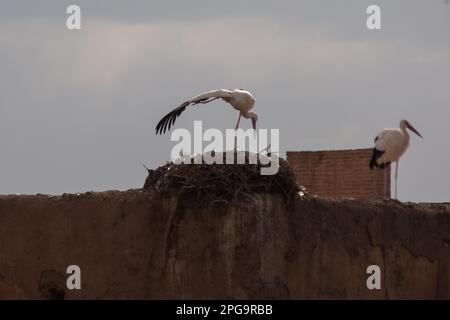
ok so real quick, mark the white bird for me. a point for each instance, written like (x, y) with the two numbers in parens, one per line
(240, 99)
(390, 145)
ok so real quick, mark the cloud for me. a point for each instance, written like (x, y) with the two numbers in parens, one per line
(103, 52)
(82, 104)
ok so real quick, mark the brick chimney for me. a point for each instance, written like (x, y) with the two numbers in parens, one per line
(339, 173)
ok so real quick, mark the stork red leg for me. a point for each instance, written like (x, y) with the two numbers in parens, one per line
(396, 176)
(237, 126)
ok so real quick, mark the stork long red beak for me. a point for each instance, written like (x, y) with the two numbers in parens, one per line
(410, 127)
(254, 123)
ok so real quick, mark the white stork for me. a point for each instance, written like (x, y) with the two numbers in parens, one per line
(240, 99)
(390, 145)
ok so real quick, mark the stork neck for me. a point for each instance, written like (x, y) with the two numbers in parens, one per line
(404, 130)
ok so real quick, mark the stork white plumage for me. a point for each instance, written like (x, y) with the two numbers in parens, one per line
(390, 145)
(239, 99)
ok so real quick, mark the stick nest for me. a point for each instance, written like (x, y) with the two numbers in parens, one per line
(227, 182)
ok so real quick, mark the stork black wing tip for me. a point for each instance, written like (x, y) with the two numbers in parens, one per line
(169, 119)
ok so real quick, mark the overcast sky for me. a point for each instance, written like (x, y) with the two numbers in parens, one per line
(78, 108)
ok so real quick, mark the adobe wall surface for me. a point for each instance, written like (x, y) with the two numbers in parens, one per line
(138, 244)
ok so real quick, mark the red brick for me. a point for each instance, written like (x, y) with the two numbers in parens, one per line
(339, 173)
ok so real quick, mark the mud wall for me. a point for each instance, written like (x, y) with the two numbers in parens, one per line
(137, 244)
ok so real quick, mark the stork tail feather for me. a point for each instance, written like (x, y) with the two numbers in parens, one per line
(375, 156)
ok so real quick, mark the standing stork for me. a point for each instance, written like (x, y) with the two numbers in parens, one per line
(390, 145)
(239, 99)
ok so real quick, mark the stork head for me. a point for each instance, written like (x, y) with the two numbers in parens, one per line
(410, 127)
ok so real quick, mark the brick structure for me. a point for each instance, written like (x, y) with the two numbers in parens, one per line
(340, 173)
